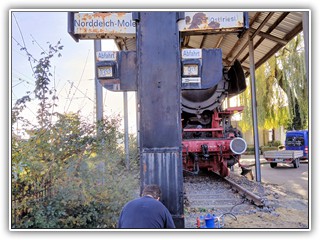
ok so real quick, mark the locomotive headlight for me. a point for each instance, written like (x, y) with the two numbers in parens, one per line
(238, 145)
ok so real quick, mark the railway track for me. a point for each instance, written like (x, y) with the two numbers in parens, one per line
(254, 198)
(209, 193)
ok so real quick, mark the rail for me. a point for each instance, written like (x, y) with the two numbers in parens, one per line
(258, 201)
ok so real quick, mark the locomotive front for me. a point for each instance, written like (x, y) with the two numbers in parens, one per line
(209, 141)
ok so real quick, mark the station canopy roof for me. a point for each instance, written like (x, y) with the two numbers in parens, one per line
(270, 32)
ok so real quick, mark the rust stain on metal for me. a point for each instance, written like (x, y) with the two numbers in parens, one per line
(85, 17)
(122, 14)
(144, 168)
(102, 15)
(111, 81)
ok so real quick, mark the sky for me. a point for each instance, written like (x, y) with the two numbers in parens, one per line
(74, 74)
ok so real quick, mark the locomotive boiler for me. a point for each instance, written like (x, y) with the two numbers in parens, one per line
(209, 141)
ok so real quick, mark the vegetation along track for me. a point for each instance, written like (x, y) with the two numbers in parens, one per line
(225, 197)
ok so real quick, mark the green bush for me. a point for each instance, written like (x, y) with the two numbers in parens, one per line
(88, 179)
(68, 173)
(268, 148)
(250, 149)
(274, 143)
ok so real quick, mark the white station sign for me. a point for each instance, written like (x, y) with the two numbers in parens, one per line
(103, 24)
(195, 21)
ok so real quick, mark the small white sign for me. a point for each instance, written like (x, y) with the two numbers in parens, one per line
(191, 80)
(105, 71)
(106, 56)
(191, 53)
(191, 70)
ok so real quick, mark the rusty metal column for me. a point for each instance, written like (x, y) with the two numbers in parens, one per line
(254, 109)
(159, 89)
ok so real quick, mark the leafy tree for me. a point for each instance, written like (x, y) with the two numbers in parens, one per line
(65, 175)
(245, 100)
(291, 75)
(281, 91)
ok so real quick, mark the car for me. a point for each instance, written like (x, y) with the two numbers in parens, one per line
(298, 140)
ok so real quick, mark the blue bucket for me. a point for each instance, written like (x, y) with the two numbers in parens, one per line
(209, 221)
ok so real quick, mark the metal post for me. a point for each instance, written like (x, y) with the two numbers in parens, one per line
(99, 106)
(98, 86)
(305, 24)
(254, 109)
(137, 120)
(126, 133)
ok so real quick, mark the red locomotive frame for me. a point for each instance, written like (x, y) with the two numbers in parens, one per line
(218, 152)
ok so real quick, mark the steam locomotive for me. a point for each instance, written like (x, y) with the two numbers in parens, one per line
(209, 141)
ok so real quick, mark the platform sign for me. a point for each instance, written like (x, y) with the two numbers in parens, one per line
(106, 56)
(192, 53)
(105, 72)
(191, 63)
(199, 21)
(191, 69)
(100, 25)
(106, 63)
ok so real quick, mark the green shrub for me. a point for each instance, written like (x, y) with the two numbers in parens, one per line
(88, 179)
(68, 173)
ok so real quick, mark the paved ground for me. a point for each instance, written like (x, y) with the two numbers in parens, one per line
(285, 175)
(285, 190)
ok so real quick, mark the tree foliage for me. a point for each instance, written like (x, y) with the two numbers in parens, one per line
(281, 91)
(65, 175)
(291, 75)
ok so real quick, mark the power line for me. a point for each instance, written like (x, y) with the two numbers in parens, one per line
(38, 45)
(23, 47)
(21, 80)
(80, 78)
(84, 94)
(24, 44)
